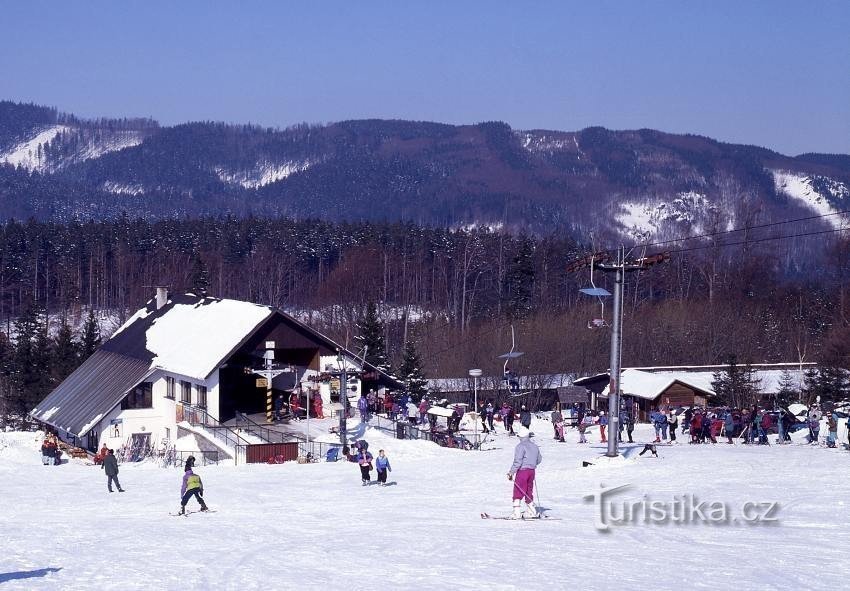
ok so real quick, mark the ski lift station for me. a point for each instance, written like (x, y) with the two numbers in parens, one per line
(187, 366)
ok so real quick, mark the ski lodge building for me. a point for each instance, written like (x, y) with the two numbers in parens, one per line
(188, 364)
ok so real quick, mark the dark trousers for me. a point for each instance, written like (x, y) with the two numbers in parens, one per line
(364, 473)
(629, 430)
(110, 480)
(382, 476)
(490, 422)
(672, 433)
(195, 492)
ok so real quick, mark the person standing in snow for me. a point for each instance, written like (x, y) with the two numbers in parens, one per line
(527, 457)
(603, 422)
(46, 452)
(586, 421)
(729, 425)
(363, 407)
(412, 412)
(364, 459)
(489, 412)
(833, 430)
(659, 421)
(814, 423)
(525, 417)
(382, 464)
(672, 423)
(110, 467)
(508, 418)
(191, 487)
(558, 422)
(423, 410)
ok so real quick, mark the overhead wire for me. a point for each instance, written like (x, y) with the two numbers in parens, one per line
(743, 229)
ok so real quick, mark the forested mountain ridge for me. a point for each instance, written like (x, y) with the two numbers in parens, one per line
(55, 166)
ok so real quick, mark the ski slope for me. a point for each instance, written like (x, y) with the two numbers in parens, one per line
(314, 526)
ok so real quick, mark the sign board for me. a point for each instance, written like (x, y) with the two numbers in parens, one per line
(116, 421)
(335, 384)
(262, 383)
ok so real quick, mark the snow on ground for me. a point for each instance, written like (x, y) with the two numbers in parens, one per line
(123, 188)
(263, 174)
(646, 218)
(26, 153)
(314, 526)
(799, 187)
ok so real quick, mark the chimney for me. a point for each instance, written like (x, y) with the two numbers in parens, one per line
(161, 297)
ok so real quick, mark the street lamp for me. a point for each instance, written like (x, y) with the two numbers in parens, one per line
(475, 374)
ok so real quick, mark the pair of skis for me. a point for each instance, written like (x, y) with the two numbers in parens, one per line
(503, 518)
(187, 513)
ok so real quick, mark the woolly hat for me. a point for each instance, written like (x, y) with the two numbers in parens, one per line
(522, 431)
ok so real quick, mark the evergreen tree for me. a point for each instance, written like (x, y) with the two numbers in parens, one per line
(829, 384)
(371, 336)
(410, 371)
(736, 386)
(519, 280)
(200, 276)
(5, 382)
(90, 340)
(64, 354)
(788, 391)
(30, 369)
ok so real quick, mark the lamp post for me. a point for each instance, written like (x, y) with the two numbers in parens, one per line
(343, 399)
(475, 374)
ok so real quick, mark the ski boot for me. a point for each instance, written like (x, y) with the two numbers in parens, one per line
(517, 514)
(531, 511)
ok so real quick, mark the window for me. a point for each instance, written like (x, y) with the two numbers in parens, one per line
(169, 387)
(185, 392)
(140, 397)
(202, 396)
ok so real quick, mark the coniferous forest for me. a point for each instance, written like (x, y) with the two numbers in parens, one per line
(455, 294)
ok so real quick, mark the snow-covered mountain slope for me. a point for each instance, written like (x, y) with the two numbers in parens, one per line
(31, 153)
(53, 148)
(650, 218)
(262, 174)
(822, 194)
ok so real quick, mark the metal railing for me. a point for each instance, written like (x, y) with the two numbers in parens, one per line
(307, 449)
(201, 417)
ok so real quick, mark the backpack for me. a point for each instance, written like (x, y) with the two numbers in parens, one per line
(766, 422)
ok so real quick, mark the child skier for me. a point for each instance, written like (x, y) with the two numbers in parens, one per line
(364, 459)
(527, 457)
(383, 466)
(192, 487)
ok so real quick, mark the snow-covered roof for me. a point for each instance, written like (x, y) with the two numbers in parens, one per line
(526, 382)
(190, 335)
(650, 384)
(183, 340)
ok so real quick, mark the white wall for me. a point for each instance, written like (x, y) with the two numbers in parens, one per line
(161, 419)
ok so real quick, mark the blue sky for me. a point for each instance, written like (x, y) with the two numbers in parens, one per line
(771, 73)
